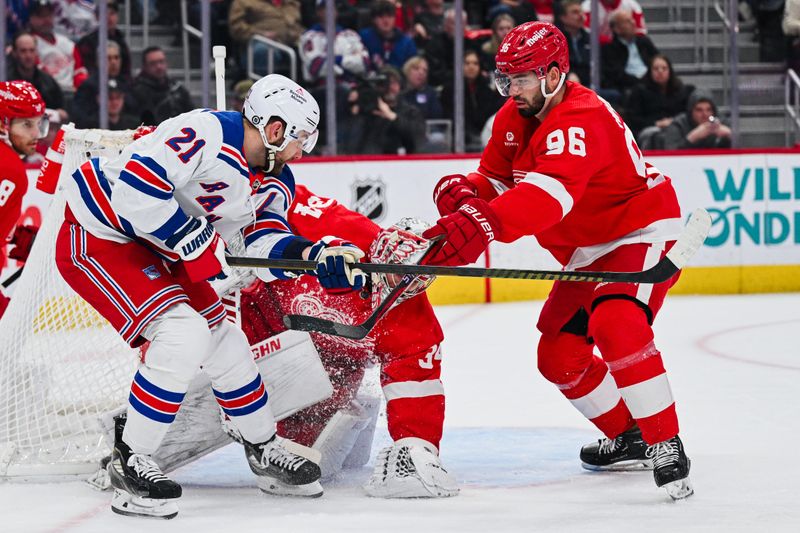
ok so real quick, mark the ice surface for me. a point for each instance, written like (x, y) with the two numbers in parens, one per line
(512, 441)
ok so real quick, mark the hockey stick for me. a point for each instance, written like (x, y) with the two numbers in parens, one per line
(354, 331)
(349, 331)
(12, 278)
(688, 242)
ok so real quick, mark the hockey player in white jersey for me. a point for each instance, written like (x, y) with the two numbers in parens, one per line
(143, 233)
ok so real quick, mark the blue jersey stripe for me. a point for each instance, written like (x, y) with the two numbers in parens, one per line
(233, 163)
(142, 186)
(232, 127)
(171, 226)
(146, 411)
(158, 392)
(151, 163)
(247, 409)
(241, 391)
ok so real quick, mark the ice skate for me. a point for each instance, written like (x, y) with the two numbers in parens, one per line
(410, 468)
(140, 488)
(625, 452)
(281, 472)
(671, 467)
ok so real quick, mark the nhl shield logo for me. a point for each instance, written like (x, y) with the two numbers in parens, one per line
(369, 198)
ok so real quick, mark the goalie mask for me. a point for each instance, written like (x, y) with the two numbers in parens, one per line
(401, 243)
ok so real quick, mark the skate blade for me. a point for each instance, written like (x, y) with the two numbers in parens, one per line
(129, 505)
(622, 466)
(277, 488)
(679, 489)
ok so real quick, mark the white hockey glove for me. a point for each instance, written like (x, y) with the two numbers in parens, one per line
(336, 265)
(201, 249)
(401, 243)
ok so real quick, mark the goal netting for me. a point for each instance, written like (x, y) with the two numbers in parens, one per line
(61, 364)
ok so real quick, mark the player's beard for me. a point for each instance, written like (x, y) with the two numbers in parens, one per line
(531, 107)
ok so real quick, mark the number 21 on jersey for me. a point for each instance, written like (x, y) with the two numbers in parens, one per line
(189, 136)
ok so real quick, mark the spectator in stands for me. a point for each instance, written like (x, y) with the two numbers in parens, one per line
(386, 44)
(439, 50)
(791, 28)
(481, 101)
(606, 8)
(698, 127)
(350, 55)
(429, 21)
(501, 25)
(570, 22)
(624, 60)
(22, 66)
(653, 102)
(87, 45)
(418, 93)
(85, 107)
(278, 20)
(379, 121)
(521, 10)
(157, 96)
(56, 51)
(119, 118)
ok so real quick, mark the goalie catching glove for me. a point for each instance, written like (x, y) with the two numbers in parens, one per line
(336, 260)
(402, 243)
(202, 250)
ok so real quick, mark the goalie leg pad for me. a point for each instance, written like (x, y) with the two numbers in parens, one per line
(410, 468)
(338, 441)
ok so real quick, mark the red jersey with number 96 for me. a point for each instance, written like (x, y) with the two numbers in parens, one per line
(577, 180)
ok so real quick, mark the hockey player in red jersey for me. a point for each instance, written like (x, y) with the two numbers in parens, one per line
(405, 343)
(22, 124)
(562, 165)
(145, 230)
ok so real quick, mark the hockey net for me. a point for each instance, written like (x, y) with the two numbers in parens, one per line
(61, 364)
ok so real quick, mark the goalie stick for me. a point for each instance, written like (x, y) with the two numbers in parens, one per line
(688, 242)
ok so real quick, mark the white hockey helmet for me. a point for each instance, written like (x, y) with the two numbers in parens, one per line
(278, 96)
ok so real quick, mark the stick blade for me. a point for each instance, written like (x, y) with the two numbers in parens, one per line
(328, 327)
(692, 238)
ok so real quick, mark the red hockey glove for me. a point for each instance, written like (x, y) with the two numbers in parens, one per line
(451, 192)
(466, 234)
(336, 265)
(22, 239)
(201, 249)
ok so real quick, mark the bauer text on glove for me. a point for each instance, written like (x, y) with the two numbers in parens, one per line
(451, 192)
(465, 234)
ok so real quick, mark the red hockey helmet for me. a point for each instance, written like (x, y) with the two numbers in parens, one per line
(533, 46)
(20, 99)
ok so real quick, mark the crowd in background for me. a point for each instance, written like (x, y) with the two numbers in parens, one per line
(394, 66)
